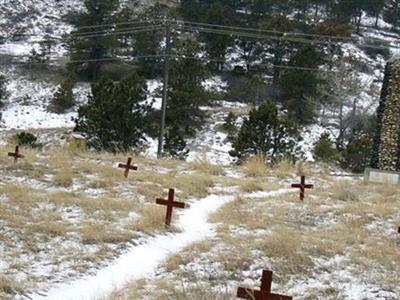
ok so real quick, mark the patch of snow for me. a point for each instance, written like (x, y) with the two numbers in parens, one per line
(215, 84)
(143, 260)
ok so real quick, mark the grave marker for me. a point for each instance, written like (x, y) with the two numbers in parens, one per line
(128, 167)
(16, 154)
(302, 186)
(264, 293)
(170, 203)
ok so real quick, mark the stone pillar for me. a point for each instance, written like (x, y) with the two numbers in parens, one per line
(386, 154)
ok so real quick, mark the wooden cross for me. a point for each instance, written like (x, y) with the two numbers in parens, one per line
(264, 293)
(16, 155)
(302, 186)
(128, 167)
(170, 203)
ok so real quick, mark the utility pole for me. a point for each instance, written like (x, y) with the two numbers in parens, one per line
(165, 91)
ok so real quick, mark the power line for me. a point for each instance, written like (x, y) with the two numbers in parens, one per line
(118, 24)
(260, 30)
(115, 33)
(159, 56)
(208, 28)
(91, 33)
(269, 37)
(87, 60)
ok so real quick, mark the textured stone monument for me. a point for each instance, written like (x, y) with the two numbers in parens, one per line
(386, 149)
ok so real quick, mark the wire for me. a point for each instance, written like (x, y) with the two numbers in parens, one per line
(159, 56)
(115, 33)
(268, 31)
(117, 24)
(268, 37)
(267, 65)
(90, 33)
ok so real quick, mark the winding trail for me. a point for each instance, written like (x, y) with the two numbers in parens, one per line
(142, 260)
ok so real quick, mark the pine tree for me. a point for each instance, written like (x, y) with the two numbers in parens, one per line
(357, 155)
(175, 144)
(186, 92)
(298, 87)
(374, 8)
(324, 149)
(63, 99)
(114, 117)
(216, 45)
(260, 9)
(266, 132)
(391, 13)
(191, 10)
(149, 43)
(279, 49)
(350, 10)
(93, 46)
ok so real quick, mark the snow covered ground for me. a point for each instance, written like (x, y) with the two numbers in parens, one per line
(83, 237)
(143, 260)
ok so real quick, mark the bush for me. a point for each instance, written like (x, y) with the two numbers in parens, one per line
(266, 132)
(26, 139)
(324, 149)
(115, 116)
(248, 89)
(64, 98)
(175, 144)
(357, 155)
(229, 126)
(381, 48)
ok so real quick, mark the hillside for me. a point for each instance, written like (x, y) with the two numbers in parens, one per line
(26, 23)
(85, 232)
(73, 227)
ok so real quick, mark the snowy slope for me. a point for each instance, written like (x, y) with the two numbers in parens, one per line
(32, 21)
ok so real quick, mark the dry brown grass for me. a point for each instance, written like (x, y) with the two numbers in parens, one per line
(9, 285)
(49, 229)
(99, 233)
(249, 186)
(288, 248)
(344, 191)
(161, 289)
(195, 185)
(64, 177)
(152, 219)
(205, 167)
(255, 166)
(284, 168)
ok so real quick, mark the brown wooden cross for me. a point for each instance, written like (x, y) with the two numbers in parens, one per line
(302, 186)
(16, 155)
(128, 167)
(170, 203)
(264, 293)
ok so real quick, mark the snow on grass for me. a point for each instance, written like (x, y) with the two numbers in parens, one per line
(215, 84)
(144, 259)
(310, 136)
(31, 116)
(154, 87)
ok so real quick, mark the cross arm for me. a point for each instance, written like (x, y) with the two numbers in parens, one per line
(246, 293)
(162, 201)
(15, 155)
(179, 204)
